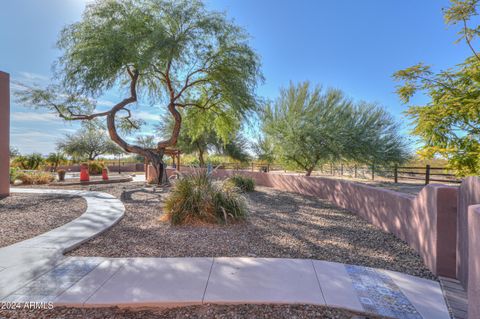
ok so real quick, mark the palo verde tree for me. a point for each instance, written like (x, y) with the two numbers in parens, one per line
(175, 53)
(204, 131)
(308, 127)
(88, 143)
(449, 124)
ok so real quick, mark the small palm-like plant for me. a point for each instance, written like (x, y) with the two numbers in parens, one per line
(198, 199)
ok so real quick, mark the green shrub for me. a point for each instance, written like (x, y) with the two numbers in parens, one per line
(14, 171)
(32, 161)
(95, 168)
(197, 199)
(244, 183)
(35, 178)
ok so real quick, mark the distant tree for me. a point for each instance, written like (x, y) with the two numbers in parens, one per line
(175, 52)
(29, 162)
(449, 124)
(87, 143)
(14, 152)
(55, 159)
(264, 150)
(205, 131)
(308, 127)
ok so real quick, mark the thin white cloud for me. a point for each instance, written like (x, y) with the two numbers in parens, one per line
(33, 117)
(147, 116)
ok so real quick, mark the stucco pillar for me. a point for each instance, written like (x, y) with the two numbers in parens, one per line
(4, 134)
(474, 261)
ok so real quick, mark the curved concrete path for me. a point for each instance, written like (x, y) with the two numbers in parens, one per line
(36, 270)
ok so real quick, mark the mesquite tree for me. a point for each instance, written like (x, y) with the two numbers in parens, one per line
(174, 53)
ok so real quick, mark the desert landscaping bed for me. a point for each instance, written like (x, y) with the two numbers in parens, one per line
(280, 224)
(198, 312)
(23, 216)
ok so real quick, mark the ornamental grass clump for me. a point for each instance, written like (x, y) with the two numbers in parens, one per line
(198, 199)
(244, 183)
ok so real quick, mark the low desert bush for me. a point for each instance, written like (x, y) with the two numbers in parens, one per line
(244, 183)
(14, 171)
(35, 178)
(95, 168)
(197, 199)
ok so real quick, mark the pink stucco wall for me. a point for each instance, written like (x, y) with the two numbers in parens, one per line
(4, 133)
(427, 222)
(469, 194)
(474, 261)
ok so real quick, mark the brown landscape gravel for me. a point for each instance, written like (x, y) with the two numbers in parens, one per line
(23, 216)
(197, 312)
(280, 224)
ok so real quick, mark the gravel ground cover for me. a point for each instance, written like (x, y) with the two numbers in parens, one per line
(23, 216)
(280, 224)
(197, 312)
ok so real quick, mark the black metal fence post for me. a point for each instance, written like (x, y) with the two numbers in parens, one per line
(395, 174)
(427, 174)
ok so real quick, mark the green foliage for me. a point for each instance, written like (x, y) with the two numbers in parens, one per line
(95, 167)
(14, 171)
(204, 131)
(14, 152)
(265, 150)
(88, 144)
(34, 178)
(448, 125)
(244, 183)
(55, 159)
(28, 162)
(308, 127)
(197, 199)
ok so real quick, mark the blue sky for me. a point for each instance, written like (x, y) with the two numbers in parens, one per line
(349, 44)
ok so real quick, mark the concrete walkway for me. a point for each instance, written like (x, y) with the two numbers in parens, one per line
(36, 270)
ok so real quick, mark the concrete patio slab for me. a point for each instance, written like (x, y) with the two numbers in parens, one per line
(425, 295)
(263, 280)
(336, 285)
(155, 282)
(89, 284)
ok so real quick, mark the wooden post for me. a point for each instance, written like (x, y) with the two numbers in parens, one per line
(427, 174)
(355, 169)
(395, 174)
(252, 166)
(341, 169)
(373, 172)
(331, 169)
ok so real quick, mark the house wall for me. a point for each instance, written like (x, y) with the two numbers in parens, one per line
(4, 134)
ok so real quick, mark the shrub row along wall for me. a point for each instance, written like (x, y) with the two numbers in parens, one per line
(427, 222)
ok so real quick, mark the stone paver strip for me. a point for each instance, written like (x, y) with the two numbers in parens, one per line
(36, 270)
